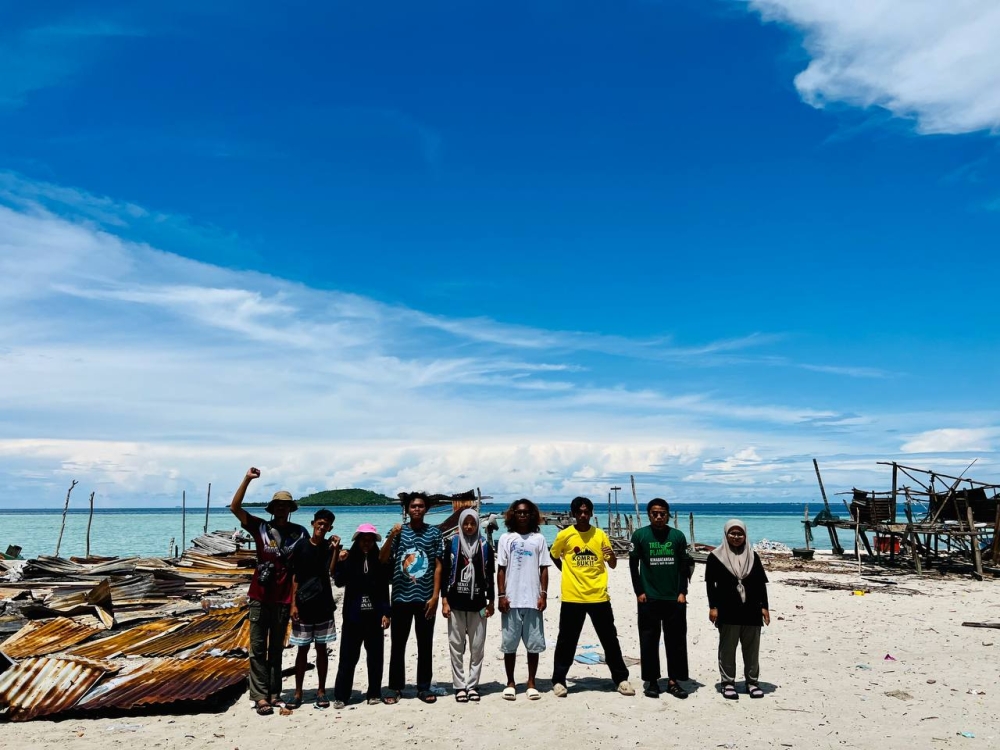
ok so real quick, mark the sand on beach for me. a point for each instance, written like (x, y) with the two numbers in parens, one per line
(823, 666)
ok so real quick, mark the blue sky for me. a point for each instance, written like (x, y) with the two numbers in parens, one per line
(532, 247)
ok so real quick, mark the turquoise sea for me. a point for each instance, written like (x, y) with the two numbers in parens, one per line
(148, 531)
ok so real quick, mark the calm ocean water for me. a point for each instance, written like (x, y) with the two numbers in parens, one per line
(147, 532)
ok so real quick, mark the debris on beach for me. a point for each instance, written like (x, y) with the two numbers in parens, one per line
(122, 634)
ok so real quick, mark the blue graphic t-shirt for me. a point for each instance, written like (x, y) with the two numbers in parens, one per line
(414, 555)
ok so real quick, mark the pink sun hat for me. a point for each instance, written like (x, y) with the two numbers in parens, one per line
(367, 528)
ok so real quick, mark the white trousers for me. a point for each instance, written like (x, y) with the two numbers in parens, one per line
(466, 627)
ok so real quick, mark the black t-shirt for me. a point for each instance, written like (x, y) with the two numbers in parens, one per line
(312, 574)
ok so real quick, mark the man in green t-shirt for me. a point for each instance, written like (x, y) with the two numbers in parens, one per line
(658, 562)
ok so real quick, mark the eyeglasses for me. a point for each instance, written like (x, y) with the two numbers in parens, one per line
(522, 512)
(658, 513)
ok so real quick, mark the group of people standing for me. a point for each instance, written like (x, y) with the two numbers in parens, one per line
(402, 585)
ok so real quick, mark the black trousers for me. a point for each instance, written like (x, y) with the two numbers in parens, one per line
(670, 618)
(571, 619)
(403, 614)
(353, 635)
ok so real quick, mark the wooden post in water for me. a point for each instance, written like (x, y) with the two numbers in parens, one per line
(635, 499)
(65, 508)
(676, 523)
(183, 517)
(691, 527)
(170, 548)
(208, 504)
(805, 525)
(90, 520)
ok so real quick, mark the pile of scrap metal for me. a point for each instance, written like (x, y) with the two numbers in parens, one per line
(123, 635)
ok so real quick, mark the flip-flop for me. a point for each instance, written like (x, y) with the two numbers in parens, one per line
(294, 703)
(532, 694)
(461, 697)
(427, 696)
(509, 694)
(391, 698)
(322, 703)
(474, 695)
(263, 708)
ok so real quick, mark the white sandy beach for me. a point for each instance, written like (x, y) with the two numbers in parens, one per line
(822, 664)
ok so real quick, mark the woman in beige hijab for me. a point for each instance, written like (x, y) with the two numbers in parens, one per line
(737, 597)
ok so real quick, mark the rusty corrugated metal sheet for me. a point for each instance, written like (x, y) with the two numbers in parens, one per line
(46, 637)
(197, 631)
(127, 641)
(234, 640)
(166, 681)
(46, 685)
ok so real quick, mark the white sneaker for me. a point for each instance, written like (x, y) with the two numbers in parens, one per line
(625, 688)
(559, 690)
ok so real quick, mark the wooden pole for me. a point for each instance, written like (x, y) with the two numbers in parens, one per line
(183, 517)
(676, 523)
(90, 520)
(691, 527)
(635, 499)
(208, 504)
(805, 525)
(977, 555)
(894, 471)
(65, 509)
(822, 489)
(996, 538)
(170, 548)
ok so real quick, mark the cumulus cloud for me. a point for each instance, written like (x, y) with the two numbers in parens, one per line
(932, 61)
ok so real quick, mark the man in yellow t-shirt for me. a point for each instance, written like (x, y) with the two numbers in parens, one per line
(583, 554)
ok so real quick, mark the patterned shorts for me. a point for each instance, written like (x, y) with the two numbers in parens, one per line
(303, 634)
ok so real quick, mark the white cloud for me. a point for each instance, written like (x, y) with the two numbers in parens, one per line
(953, 440)
(929, 60)
(141, 372)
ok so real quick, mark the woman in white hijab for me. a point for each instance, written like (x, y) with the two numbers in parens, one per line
(737, 598)
(467, 602)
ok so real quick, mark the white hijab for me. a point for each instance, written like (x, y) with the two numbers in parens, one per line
(468, 544)
(739, 562)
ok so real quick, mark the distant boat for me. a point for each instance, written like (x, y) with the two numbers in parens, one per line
(13, 553)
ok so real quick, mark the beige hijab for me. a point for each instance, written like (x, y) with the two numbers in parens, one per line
(739, 561)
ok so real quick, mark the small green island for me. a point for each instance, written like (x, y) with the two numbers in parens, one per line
(331, 498)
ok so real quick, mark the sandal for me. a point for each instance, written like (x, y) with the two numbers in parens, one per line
(474, 695)
(391, 698)
(532, 694)
(263, 708)
(729, 692)
(754, 691)
(461, 697)
(374, 701)
(675, 689)
(294, 703)
(509, 693)
(427, 696)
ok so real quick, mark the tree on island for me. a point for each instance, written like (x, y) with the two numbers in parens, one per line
(340, 497)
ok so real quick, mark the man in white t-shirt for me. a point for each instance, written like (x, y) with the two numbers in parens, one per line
(522, 581)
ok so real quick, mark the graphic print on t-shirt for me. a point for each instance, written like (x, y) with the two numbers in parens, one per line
(414, 564)
(585, 558)
(661, 553)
